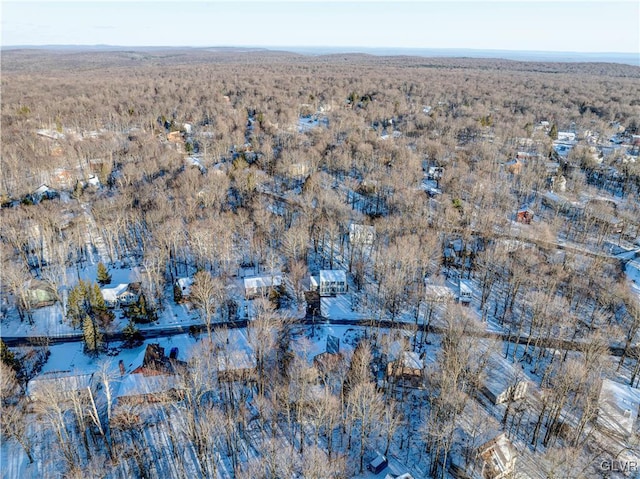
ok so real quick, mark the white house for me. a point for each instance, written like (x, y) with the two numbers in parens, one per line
(184, 285)
(261, 285)
(332, 281)
(504, 381)
(361, 234)
(120, 295)
(465, 293)
(618, 407)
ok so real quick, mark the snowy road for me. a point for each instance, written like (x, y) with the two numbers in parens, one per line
(166, 331)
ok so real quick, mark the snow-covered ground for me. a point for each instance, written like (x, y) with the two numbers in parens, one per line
(340, 307)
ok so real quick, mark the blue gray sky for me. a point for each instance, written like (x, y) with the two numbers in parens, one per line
(567, 26)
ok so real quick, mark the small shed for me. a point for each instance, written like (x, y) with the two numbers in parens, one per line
(378, 464)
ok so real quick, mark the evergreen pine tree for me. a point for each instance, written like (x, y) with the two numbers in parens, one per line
(177, 293)
(96, 300)
(7, 356)
(553, 133)
(92, 336)
(139, 312)
(75, 310)
(132, 336)
(103, 275)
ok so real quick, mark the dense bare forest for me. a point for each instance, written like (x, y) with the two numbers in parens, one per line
(467, 230)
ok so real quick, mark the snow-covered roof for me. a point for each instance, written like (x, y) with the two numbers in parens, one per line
(236, 360)
(618, 407)
(501, 373)
(434, 292)
(185, 285)
(359, 229)
(263, 281)
(42, 189)
(112, 294)
(139, 384)
(566, 136)
(411, 359)
(333, 275)
(499, 455)
(60, 382)
(465, 286)
(632, 269)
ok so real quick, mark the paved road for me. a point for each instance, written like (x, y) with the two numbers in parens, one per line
(168, 331)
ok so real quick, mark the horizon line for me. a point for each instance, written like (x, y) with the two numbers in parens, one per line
(356, 47)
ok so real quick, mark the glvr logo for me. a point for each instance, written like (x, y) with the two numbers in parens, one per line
(620, 466)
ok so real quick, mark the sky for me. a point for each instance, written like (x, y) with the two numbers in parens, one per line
(564, 26)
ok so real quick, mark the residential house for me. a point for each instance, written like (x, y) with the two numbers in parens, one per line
(155, 362)
(40, 294)
(328, 363)
(63, 179)
(331, 282)
(183, 286)
(524, 215)
(59, 384)
(618, 407)
(361, 234)
(498, 458)
(434, 293)
(175, 137)
(236, 365)
(140, 389)
(504, 381)
(514, 166)
(121, 295)
(409, 366)
(152, 378)
(465, 293)
(261, 285)
(44, 192)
